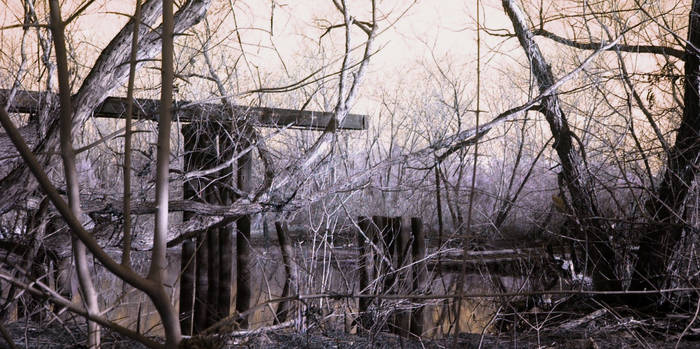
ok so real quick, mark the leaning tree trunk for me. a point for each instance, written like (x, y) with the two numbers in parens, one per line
(667, 206)
(573, 171)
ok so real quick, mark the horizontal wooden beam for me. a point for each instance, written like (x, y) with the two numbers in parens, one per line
(187, 111)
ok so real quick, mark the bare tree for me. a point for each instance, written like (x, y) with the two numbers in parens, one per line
(665, 210)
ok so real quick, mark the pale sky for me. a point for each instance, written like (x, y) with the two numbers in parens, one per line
(413, 33)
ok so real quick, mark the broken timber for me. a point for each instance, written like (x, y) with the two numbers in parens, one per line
(186, 111)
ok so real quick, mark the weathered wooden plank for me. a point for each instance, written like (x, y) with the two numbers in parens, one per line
(187, 111)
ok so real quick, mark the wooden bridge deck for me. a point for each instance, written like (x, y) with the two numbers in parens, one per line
(188, 111)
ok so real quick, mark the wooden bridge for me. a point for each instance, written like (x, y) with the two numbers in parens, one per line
(205, 285)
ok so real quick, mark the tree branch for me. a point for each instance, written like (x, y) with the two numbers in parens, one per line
(654, 49)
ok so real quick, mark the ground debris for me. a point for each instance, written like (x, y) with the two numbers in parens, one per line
(56, 335)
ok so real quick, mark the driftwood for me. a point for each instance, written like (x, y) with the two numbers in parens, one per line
(570, 325)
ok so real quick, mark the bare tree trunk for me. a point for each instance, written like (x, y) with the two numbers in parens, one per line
(159, 264)
(126, 251)
(87, 288)
(573, 170)
(667, 208)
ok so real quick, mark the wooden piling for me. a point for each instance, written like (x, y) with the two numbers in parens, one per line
(197, 144)
(403, 257)
(420, 274)
(244, 174)
(225, 270)
(202, 283)
(284, 309)
(213, 274)
(381, 266)
(243, 287)
(375, 225)
(187, 278)
(364, 238)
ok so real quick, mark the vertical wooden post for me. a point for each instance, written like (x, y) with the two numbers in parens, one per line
(365, 269)
(195, 157)
(377, 239)
(225, 150)
(244, 174)
(380, 264)
(243, 280)
(225, 270)
(389, 235)
(202, 283)
(213, 273)
(420, 273)
(187, 270)
(290, 283)
(402, 236)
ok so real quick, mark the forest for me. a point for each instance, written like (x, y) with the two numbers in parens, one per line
(349, 174)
